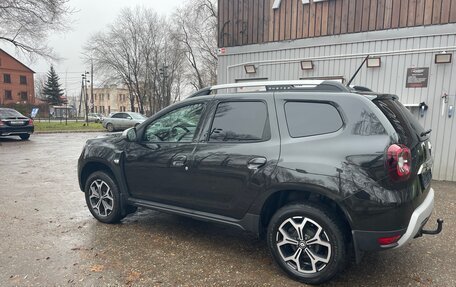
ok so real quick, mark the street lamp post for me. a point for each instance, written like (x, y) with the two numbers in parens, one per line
(86, 96)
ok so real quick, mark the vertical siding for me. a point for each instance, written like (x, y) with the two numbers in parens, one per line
(295, 20)
(390, 78)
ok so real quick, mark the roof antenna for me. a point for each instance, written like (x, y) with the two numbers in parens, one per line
(357, 71)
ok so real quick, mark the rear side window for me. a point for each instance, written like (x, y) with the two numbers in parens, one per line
(309, 119)
(240, 122)
(406, 125)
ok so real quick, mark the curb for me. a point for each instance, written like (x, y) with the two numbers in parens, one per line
(68, 132)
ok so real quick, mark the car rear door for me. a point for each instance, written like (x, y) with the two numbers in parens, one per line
(236, 156)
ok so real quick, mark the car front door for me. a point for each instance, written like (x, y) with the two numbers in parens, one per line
(234, 163)
(156, 166)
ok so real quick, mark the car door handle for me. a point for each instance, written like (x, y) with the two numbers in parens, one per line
(256, 163)
(179, 161)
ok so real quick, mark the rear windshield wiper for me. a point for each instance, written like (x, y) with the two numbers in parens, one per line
(426, 133)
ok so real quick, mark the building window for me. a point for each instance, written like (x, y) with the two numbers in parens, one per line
(108, 97)
(23, 80)
(24, 96)
(95, 96)
(109, 108)
(8, 95)
(96, 109)
(7, 78)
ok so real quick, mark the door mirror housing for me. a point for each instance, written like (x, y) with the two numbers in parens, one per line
(130, 134)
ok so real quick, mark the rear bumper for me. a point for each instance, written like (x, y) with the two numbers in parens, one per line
(368, 240)
(418, 219)
(15, 131)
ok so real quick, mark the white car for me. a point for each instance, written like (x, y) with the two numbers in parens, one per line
(122, 121)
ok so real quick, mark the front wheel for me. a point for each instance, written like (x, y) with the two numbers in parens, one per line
(103, 197)
(307, 242)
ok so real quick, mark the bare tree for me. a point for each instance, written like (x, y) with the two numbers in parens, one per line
(26, 24)
(40, 80)
(197, 31)
(139, 51)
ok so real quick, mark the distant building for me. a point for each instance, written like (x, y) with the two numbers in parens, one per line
(16, 81)
(110, 99)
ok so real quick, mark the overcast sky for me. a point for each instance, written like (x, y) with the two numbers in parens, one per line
(90, 16)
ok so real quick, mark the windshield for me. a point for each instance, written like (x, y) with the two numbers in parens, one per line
(9, 113)
(137, 116)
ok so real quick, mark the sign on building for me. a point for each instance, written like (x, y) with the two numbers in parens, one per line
(417, 78)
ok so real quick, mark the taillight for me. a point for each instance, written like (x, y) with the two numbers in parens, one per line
(1, 123)
(30, 123)
(383, 241)
(399, 162)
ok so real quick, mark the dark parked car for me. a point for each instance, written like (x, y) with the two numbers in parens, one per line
(13, 123)
(318, 168)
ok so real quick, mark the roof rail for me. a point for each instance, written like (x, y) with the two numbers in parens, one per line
(313, 85)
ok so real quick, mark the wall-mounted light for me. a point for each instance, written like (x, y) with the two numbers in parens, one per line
(374, 62)
(250, 69)
(307, 65)
(443, 58)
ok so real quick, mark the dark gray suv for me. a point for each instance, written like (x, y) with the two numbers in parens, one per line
(320, 169)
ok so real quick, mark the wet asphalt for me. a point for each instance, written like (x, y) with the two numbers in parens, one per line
(49, 238)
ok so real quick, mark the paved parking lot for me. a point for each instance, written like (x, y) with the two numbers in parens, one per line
(49, 238)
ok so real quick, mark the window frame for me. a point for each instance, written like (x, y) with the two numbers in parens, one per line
(4, 78)
(159, 116)
(22, 77)
(216, 105)
(336, 107)
(10, 98)
(22, 96)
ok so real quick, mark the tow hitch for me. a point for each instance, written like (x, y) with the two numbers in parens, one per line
(431, 232)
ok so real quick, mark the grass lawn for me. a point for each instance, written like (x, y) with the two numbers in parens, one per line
(44, 126)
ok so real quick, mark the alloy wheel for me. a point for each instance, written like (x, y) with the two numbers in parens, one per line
(303, 245)
(101, 198)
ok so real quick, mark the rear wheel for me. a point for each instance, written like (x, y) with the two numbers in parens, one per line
(110, 127)
(307, 242)
(103, 197)
(24, 137)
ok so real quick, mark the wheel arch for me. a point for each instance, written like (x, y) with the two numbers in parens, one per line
(97, 165)
(318, 196)
(93, 166)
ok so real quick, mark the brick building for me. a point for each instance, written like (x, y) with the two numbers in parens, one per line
(16, 81)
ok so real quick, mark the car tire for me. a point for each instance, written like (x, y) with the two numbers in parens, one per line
(307, 242)
(103, 197)
(110, 127)
(24, 137)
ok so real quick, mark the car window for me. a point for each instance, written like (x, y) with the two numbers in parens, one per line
(176, 126)
(137, 116)
(9, 113)
(240, 122)
(309, 119)
(118, 116)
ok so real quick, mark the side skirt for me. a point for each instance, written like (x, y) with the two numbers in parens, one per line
(249, 223)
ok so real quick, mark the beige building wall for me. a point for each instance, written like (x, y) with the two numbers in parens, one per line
(110, 100)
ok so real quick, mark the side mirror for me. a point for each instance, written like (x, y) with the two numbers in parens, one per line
(130, 134)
